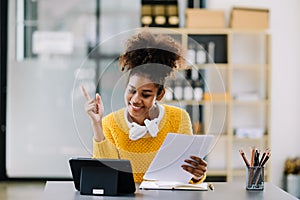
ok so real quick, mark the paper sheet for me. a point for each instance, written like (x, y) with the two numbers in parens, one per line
(166, 165)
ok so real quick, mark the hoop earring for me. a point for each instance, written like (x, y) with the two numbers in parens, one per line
(155, 105)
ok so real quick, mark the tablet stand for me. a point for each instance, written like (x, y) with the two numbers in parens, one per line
(98, 181)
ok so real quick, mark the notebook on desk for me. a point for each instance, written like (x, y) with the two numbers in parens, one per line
(166, 165)
(171, 185)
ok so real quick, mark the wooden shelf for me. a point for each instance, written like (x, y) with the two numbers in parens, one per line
(250, 102)
(208, 66)
(264, 138)
(217, 172)
(207, 31)
(242, 68)
(195, 102)
(249, 67)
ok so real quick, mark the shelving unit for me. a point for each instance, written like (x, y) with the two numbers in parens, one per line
(242, 65)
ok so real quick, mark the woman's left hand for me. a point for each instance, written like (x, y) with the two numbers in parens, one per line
(196, 166)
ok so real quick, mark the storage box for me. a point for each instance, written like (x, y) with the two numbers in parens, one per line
(203, 18)
(252, 132)
(249, 18)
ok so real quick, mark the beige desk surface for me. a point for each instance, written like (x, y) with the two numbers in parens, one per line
(21, 190)
(224, 191)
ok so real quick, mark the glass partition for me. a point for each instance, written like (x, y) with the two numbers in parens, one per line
(49, 50)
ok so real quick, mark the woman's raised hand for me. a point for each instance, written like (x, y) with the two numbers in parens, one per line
(93, 107)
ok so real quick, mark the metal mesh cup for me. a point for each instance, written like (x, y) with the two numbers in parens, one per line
(255, 178)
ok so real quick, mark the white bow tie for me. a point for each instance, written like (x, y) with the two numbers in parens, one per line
(137, 131)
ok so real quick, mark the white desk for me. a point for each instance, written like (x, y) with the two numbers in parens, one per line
(224, 191)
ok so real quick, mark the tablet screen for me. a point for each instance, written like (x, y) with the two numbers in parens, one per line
(125, 177)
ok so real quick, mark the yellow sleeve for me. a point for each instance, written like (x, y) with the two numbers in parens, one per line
(105, 148)
(193, 181)
(185, 125)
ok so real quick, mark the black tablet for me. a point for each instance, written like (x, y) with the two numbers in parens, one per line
(112, 174)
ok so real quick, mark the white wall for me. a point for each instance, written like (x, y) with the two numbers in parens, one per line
(285, 27)
(285, 113)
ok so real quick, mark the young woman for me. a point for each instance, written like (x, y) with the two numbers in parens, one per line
(137, 131)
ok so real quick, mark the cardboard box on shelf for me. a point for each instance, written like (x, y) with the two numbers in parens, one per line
(249, 18)
(204, 18)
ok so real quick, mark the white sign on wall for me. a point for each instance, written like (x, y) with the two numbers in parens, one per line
(52, 42)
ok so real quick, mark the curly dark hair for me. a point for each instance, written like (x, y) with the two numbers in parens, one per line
(153, 56)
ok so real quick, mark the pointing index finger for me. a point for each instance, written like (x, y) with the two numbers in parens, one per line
(98, 98)
(85, 94)
(99, 101)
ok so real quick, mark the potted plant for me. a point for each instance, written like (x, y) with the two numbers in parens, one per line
(292, 176)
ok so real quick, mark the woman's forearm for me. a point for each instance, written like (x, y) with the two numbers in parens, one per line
(98, 132)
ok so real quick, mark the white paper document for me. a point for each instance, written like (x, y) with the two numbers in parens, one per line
(166, 165)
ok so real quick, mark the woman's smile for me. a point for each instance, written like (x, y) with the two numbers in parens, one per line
(136, 108)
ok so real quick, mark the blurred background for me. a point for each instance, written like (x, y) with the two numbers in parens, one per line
(52, 47)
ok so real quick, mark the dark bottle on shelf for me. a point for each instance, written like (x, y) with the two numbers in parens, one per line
(188, 74)
(202, 3)
(196, 4)
(200, 124)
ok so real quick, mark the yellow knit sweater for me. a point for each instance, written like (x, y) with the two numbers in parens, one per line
(140, 152)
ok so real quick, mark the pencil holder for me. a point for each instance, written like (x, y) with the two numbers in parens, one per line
(255, 178)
